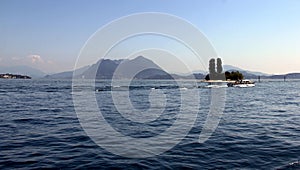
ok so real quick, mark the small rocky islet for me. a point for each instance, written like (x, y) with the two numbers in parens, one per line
(14, 76)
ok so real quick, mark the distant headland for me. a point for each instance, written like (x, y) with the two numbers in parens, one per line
(13, 76)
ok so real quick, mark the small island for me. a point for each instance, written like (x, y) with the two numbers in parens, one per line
(13, 76)
(219, 75)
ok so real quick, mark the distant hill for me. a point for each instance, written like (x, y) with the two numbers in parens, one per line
(22, 70)
(125, 68)
(103, 69)
(281, 76)
(234, 68)
(246, 73)
(254, 75)
(67, 74)
(293, 76)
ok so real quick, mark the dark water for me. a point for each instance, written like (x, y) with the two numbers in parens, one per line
(40, 129)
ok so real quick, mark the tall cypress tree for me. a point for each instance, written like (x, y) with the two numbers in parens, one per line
(212, 66)
(219, 66)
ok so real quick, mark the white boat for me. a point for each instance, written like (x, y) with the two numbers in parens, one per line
(216, 84)
(242, 84)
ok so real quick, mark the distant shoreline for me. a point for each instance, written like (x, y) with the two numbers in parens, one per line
(14, 76)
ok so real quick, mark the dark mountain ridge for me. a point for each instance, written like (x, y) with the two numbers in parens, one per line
(143, 68)
(137, 68)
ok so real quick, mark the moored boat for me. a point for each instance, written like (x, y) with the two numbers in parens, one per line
(242, 83)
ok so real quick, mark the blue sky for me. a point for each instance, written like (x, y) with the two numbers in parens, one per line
(260, 35)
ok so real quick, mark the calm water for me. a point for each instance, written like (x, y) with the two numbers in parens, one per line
(40, 129)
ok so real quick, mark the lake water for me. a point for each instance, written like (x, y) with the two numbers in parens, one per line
(39, 128)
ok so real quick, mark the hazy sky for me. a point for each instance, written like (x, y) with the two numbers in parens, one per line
(260, 35)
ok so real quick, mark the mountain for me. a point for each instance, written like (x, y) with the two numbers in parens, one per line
(282, 76)
(143, 68)
(153, 73)
(137, 68)
(67, 74)
(247, 74)
(22, 70)
(121, 69)
(293, 76)
(234, 68)
(103, 69)
(254, 74)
